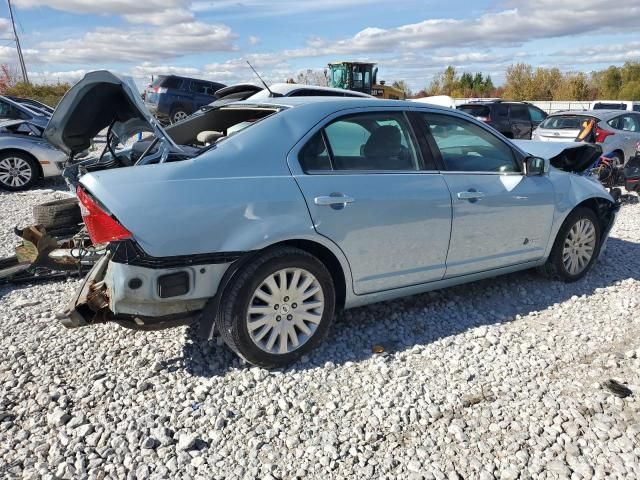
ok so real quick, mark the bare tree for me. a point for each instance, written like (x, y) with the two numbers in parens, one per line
(313, 77)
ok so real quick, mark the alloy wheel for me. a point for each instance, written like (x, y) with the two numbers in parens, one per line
(579, 246)
(15, 172)
(179, 115)
(285, 311)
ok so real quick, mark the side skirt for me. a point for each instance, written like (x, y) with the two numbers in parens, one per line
(360, 300)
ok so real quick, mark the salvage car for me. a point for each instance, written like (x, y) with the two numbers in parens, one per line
(313, 205)
(183, 139)
(25, 156)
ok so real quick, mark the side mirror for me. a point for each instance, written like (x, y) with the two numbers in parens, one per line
(536, 166)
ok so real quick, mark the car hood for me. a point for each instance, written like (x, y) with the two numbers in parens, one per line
(97, 101)
(567, 156)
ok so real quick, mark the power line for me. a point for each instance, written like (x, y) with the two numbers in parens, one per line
(23, 67)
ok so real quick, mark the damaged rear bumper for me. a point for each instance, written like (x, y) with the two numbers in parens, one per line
(89, 304)
(141, 298)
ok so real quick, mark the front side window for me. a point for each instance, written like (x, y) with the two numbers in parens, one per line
(536, 114)
(467, 147)
(369, 141)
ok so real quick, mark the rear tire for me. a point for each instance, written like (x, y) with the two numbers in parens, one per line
(58, 214)
(576, 247)
(178, 114)
(617, 160)
(18, 171)
(277, 308)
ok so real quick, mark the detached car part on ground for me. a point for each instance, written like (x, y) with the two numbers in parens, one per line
(319, 204)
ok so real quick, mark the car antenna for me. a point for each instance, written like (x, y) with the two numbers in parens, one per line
(263, 82)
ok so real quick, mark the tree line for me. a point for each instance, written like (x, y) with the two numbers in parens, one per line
(524, 82)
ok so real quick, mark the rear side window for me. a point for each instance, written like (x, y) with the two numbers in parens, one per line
(519, 112)
(167, 82)
(467, 147)
(369, 141)
(314, 156)
(475, 110)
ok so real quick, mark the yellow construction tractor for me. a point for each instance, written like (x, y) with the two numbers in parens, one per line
(361, 77)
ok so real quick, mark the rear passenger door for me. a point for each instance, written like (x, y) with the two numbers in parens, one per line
(202, 93)
(369, 189)
(520, 121)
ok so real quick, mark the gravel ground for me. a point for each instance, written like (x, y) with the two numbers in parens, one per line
(497, 379)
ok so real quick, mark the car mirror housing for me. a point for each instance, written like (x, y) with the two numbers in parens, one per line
(536, 166)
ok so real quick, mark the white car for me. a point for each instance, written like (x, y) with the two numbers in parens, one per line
(616, 131)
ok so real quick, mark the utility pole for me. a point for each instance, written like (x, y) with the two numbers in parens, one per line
(23, 67)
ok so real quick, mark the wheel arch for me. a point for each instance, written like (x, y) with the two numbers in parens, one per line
(604, 210)
(340, 274)
(26, 153)
(329, 259)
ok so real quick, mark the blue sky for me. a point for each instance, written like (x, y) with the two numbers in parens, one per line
(411, 40)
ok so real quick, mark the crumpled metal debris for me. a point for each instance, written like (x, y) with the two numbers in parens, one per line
(617, 388)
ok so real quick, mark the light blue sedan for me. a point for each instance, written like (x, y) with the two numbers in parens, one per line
(303, 206)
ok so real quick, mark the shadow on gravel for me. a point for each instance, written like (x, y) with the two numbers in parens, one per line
(421, 319)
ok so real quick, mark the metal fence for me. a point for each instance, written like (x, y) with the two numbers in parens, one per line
(546, 105)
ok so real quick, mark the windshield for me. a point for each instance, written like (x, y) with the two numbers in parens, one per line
(561, 122)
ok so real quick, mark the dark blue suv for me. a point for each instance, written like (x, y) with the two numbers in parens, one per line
(172, 98)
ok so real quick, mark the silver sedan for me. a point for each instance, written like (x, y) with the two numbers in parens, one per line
(25, 156)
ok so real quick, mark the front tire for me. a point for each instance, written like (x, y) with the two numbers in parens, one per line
(277, 308)
(576, 247)
(178, 114)
(18, 171)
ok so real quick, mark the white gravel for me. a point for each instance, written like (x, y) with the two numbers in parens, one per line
(496, 379)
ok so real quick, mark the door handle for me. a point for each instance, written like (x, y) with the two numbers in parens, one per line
(335, 200)
(470, 195)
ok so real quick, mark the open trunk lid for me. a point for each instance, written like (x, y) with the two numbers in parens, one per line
(99, 100)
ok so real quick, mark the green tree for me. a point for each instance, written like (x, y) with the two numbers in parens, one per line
(630, 91)
(519, 82)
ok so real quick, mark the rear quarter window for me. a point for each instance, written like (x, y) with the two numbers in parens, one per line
(167, 82)
(475, 110)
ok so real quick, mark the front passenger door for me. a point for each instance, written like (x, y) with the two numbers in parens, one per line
(500, 216)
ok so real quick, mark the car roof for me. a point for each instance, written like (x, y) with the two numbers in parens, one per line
(288, 88)
(336, 103)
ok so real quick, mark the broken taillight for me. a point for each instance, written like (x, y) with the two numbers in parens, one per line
(602, 134)
(102, 227)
